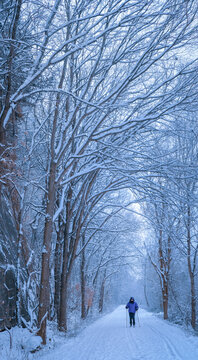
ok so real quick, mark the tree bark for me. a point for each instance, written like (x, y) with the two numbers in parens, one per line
(44, 300)
(190, 271)
(83, 284)
(62, 323)
(102, 290)
(17, 11)
(57, 272)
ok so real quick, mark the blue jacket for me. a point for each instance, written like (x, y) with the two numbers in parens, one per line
(132, 306)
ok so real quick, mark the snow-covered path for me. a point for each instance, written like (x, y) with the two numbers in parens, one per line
(109, 339)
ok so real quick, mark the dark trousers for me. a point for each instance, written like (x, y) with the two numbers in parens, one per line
(132, 318)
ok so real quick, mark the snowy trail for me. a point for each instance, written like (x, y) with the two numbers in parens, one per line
(109, 339)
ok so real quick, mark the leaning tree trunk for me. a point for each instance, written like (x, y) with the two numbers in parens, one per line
(70, 245)
(68, 262)
(70, 242)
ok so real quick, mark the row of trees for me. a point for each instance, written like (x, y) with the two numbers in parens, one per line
(86, 89)
(173, 218)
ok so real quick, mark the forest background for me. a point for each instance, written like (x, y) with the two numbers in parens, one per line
(98, 159)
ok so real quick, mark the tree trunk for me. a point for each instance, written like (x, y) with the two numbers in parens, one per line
(193, 302)
(164, 272)
(62, 322)
(44, 300)
(145, 290)
(9, 80)
(57, 272)
(71, 242)
(191, 272)
(102, 290)
(83, 285)
(165, 299)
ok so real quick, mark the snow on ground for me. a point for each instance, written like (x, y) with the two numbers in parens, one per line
(109, 339)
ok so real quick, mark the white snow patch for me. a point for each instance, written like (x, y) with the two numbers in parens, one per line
(108, 338)
(16, 344)
(32, 343)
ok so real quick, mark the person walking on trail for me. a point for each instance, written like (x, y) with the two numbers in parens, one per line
(133, 307)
